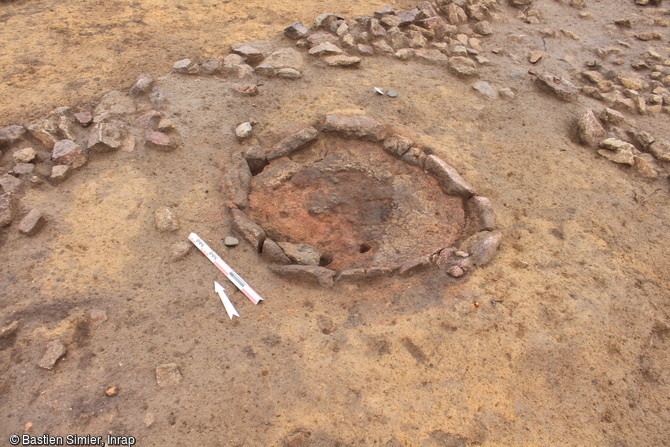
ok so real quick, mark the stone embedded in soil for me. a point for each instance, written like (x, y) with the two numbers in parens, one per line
(168, 375)
(106, 137)
(11, 134)
(32, 223)
(462, 66)
(59, 173)
(236, 182)
(359, 274)
(25, 155)
(142, 85)
(285, 58)
(415, 157)
(296, 31)
(559, 87)
(535, 56)
(321, 37)
(23, 168)
(485, 89)
(397, 145)
(46, 131)
(342, 60)
(159, 141)
(324, 49)
(211, 66)
(248, 229)
(9, 183)
(480, 214)
(449, 179)
(148, 119)
(484, 28)
(644, 167)
(247, 89)
(277, 172)
(455, 271)
(416, 264)
(621, 157)
(55, 350)
(83, 118)
(183, 66)
(253, 52)
(660, 149)
(482, 247)
(8, 207)
(231, 241)
(9, 330)
(243, 131)
(431, 56)
(289, 73)
(165, 220)
(617, 151)
(611, 116)
(589, 129)
(179, 250)
(67, 152)
(303, 254)
(273, 253)
(357, 126)
(292, 143)
(114, 104)
(98, 315)
(321, 275)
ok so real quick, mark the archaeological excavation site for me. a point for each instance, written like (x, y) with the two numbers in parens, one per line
(300, 224)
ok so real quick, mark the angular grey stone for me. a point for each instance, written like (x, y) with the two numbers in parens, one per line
(55, 350)
(357, 126)
(243, 131)
(211, 66)
(397, 145)
(9, 183)
(432, 56)
(236, 182)
(183, 66)
(482, 247)
(285, 58)
(59, 173)
(273, 253)
(8, 205)
(23, 168)
(323, 276)
(142, 85)
(321, 37)
(11, 134)
(292, 143)
(106, 137)
(380, 46)
(485, 89)
(67, 152)
(254, 52)
(296, 31)
(324, 49)
(480, 214)
(462, 66)
(248, 229)
(611, 116)
(449, 179)
(165, 220)
(32, 223)
(559, 87)
(589, 129)
(484, 28)
(342, 60)
(415, 157)
(303, 254)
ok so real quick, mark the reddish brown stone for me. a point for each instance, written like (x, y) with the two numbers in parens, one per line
(248, 229)
(159, 141)
(67, 152)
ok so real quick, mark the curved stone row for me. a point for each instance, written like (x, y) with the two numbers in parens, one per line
(477, 247)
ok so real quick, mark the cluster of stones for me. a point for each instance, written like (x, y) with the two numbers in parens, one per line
(621, 143)
(477, 247)
(51, 148)
(442, 32)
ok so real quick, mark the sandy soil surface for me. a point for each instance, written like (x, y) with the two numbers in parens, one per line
(562, 340)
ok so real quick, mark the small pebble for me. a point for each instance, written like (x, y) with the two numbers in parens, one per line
(392, 94)
(111, 392)
(230, 241)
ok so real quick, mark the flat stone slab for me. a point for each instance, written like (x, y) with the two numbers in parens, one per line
(357, 126)
(450, 180)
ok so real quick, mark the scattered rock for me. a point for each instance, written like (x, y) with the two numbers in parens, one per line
(450, 180)
(611, 116)
(254, 52)
(23, 168)
(589, 129)
(114, 104)
(397, 145)
(168, 375)
(165, 220)
(59, 173)
(644, 167)
(83, 118)
(357, 126)
(480, 214)
(324, 49)
(632, 82)
(183, 66)
(296, 31)
(234, 65)
(415, 264)
(484, 28)
(288, 73)
(149, 419)
(285, 58)
(55, 350)
(11, 134)
(106, 137)
(299, 438)
(485, 89)
(9, 183)
(455, 271)
(482, 247)
(230, 241)
(159, 141)
(323, 276)
(9, 330)
(67, 152)
(273, 253)
(25, 155)
(142, 85)
(617, 151)
(236, 182)
(243, 131)
(432, 56)
(303, 254)
(535, 56)
(179, 250)
(462, 66)
(211, 66)
(249, 230)
(46, 131)
(660, 149)
(342, 60)
(559, 87)
(32, 223)
(112, 391)
(415, 157)
(7, 208)
(392, 94)
(247, 89)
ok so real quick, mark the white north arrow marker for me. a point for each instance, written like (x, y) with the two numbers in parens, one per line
(226, 301)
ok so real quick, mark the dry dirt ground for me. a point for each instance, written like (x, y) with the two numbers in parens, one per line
(562, 341)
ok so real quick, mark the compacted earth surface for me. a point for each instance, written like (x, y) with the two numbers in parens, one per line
(556, 112)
